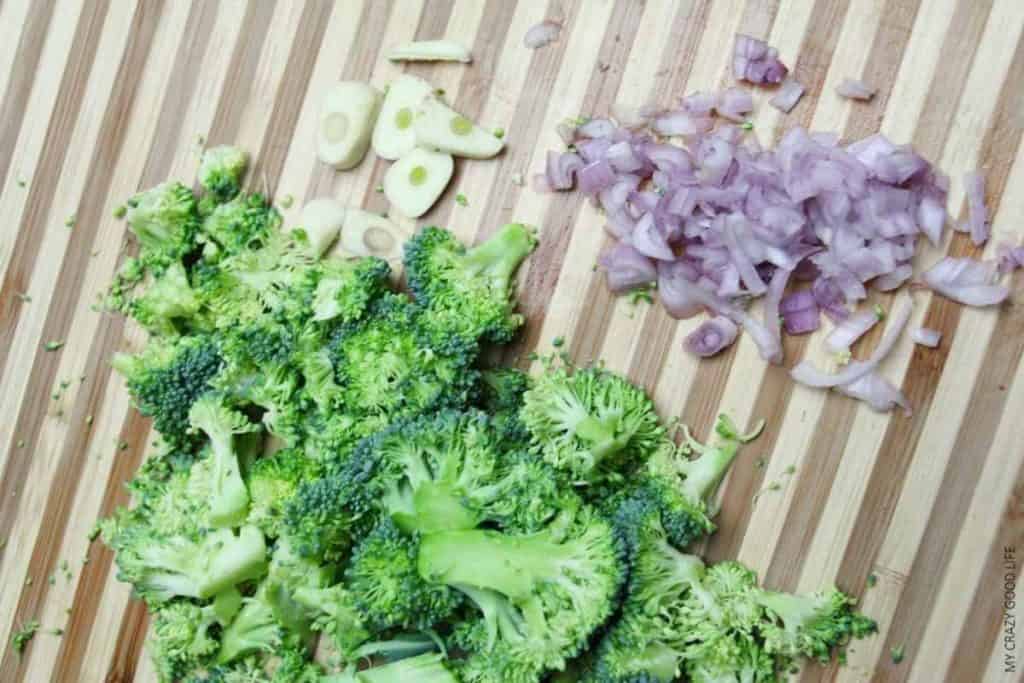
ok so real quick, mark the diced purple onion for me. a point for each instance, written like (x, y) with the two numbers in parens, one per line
(799, 312)
(596, 176)
(627, 268)
(850, 330)
(735, 104)
(788, 95)
(926, 337)
(977, 215)
(966, 281)
(855, 90)
(754, 61)
(541, 34)
(711, 337)
(561, 169)
(878, 392)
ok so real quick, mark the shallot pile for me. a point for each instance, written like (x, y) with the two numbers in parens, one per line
(716, 221)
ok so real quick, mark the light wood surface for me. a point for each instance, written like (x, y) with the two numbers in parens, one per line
(100, 98)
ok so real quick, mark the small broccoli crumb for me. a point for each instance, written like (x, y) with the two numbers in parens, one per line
(22, 297)
(761, 463)
(790, 469)
(499, 133)
(21, 182)
(28, 581)
(21, 443)
(88, 419)
(287, 201)
(52, 580)
(24, 635)
(872, 580)
(461, 200)
(56, 631)
(517, 178)
(94, 533)
(120, 211)
(557, 342)
(439, 92)
(747, 125)
(641, 294)
(897, 654)
(879, 312)
(122, 445)
(379, 189)
(69, 222)
(53, 345)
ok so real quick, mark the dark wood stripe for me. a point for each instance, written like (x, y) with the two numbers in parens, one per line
(51, 159)
(292, 92)
(259, 17)
(59, 315)
(362, 56)
(131, 636)
(828, 441)
(981, 632)
(814, 60)
(26, 61)
(89, 590)
(985, 409)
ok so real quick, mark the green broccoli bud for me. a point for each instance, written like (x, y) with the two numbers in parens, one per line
(221, 171)
(244, 223)
(168, 299)
(181, 640)
(164, 218)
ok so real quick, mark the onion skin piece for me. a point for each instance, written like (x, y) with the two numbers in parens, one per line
(966, 281)
(855, 90)
(787, 96)
(542, 34)
(977, 214)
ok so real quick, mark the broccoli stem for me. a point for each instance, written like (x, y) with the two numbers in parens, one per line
(500, 562)
(498, 257)
(437, 508)
(238, 558)
(794, 610)
(428, 668)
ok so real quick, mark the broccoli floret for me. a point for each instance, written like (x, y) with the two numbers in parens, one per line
(167, 303)
(244, 223)
(334, 613)
(502, 392)
(811, 625)
(273, 482)
(167, 378)
(447, 471)
(682, 487)
(229, 498)
(541, 595)
(590, 423)
(254, 629)
(165, 219)
(163, 567)
(467, 293)
(221, 171)
(181, 640)
(388, 590)
(385, 365)
(345, 288)
(321, 521)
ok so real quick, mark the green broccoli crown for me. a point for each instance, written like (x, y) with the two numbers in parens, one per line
(501, 397)
(245, 223)
(273, 481)
(389, 592)
(335, 614)
(167, 378)
(541, 595)
(165, 220)
(229, 501)
(162, 566)
(468, 293)
(811, 625)
(323, 518)
(221, 171)
(590, 423)
(181, 641)
(346, 288)
(385, 366)
(167, 304)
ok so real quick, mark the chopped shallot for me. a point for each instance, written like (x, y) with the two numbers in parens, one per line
(541, 34)
(926, 337)
(848, 331)
(788, 95)
(967, 281)
(855, 90)
(711, 337)
(799, 312)
(977, 215)
(754, 61)
(877, 392)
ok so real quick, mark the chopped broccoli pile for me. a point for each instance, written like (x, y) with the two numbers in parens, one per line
(338, 464)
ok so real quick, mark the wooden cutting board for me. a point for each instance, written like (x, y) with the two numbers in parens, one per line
(103, 97)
